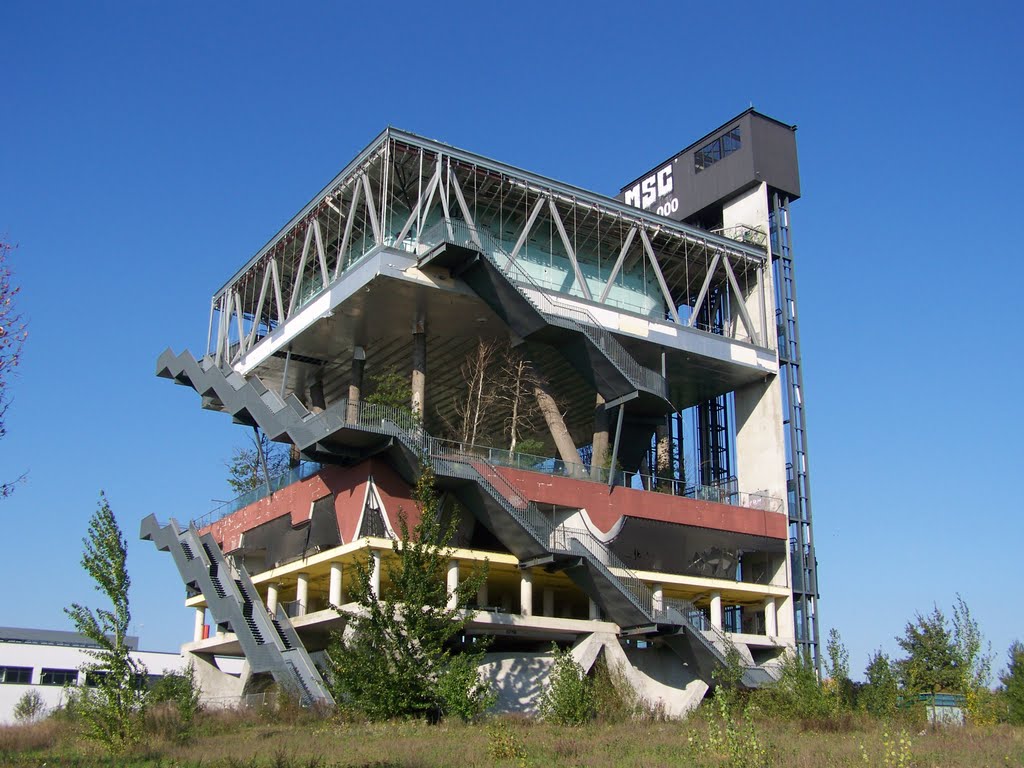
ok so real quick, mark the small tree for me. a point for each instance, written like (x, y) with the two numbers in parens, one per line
(933, 662)
(112, 709)
(569, 697)
(12, 337)
(30, 707)
(837, 669)
(473, 403)
(391, 389)
(517, 395)
(1013, 684)
(880, 694)
(246, 468)
(401, 655)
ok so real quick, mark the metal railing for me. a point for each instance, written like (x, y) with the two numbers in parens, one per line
(720, 494)
(458, 232)
(277, 482)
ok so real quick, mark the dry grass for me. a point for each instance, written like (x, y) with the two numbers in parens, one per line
(255, 740)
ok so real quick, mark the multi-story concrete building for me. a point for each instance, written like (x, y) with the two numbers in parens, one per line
(607, 391)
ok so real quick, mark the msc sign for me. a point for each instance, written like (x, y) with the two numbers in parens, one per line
(656, 188)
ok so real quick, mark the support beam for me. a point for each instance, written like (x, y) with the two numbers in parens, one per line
(556, 423)
(336, 594)
(702, 294)
(741, 302)
(526, 593)
(453, 584)
(661, 278)
(618, 263)
(371, 210)
(716, 610)
(599, 452)
(200, 625)
(771, 623)
(302, 594)
(273, 590)
(355, 384)
(357, 191)
(419, 367)
(570, 250)
(375, 574)
(615, 448)
(526, 229)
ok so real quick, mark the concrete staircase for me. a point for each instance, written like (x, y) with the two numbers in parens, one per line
(270, 643)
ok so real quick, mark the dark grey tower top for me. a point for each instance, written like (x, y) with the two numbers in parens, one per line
(741, 153)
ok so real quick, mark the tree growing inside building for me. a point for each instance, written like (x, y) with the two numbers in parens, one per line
(404, 653)
(253, 466)
(111, 708)
(12, 337)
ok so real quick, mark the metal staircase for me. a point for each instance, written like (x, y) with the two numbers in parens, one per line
(501, 281)
(518, 523)
(270, 643)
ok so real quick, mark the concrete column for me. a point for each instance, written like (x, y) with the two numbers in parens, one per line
(549, 602)
(526, 593)
(599, 456)
(419, 366)
(355, 383)
(595, 611)
(302, 593)
(375, 574)
(272, 589)
(785, 619)
(556, 424)
(335, 594)
(481, 595)
(453, 583)
(716, 610)
(658, 598)
(197, 633)
(771, 622)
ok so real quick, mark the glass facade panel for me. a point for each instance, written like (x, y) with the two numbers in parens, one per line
(58, 677)
(16, 675)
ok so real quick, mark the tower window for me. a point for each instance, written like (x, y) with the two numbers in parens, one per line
(715, 150)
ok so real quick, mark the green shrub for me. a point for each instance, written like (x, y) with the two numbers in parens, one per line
(569, 698)
(30, 707)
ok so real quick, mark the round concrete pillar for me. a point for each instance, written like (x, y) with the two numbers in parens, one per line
(375, 574)
(200, 625)
(335, 595)
(272, 590)
(302, 593)
(526, 593)
(716, 610)
(771, 625)
(453, 583)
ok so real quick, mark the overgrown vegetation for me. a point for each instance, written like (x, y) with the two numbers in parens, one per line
(253, 466)
(404, 653)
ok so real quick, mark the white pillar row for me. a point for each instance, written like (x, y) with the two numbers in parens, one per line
(481, 596)
(595, 611)
(716, 610)
(335, 595)
(302, 593)
(526, 593)
(375, 574)
(197, 633)
(272, 589)
(771, 623)
(453, 583)
(658, 598)
(549, 602)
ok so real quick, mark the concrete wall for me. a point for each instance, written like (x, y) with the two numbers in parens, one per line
(61, 657)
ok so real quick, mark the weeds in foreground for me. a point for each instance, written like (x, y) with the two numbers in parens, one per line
(896, 751)
(503, 742)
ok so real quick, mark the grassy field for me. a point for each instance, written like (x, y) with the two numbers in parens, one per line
(235, 741)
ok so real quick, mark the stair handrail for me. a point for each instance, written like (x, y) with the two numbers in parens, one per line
(586, 323)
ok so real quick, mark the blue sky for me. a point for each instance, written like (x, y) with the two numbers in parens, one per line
(147, 150)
